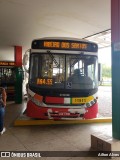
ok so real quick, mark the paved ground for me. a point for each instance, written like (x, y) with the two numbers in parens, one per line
(55, 137)
(105, 101)
(50, 137)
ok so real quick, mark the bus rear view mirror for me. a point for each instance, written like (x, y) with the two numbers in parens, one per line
(26, 61)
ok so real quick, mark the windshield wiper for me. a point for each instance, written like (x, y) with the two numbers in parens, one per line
(51, 55)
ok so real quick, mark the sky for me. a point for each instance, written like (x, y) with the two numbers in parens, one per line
(104, 56)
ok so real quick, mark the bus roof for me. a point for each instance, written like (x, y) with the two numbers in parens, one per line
(64, 38)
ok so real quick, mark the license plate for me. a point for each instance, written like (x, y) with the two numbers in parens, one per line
(79, 100)
(64, 114)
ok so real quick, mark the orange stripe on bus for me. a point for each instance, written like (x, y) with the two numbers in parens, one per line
(38, 97)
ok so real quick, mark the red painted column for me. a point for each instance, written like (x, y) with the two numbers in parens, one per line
(115, 35)
(18, 56)
(115, 20)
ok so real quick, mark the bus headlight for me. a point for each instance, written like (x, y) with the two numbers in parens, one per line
(88, 105)
(37, 102)
(91, 103)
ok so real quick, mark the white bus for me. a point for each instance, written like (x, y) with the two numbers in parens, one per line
(63, 79)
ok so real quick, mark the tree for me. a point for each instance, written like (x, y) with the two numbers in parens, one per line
(106, 71)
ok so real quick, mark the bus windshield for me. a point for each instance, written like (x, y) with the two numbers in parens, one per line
(63, 71)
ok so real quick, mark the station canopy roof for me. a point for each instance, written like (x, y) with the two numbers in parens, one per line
(21, 21)
(103, 39)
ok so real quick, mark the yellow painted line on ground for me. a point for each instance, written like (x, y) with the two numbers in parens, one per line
(25, 122)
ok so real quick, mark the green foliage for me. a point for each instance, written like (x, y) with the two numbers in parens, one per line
(106, 71)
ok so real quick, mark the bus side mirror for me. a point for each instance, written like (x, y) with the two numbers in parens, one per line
(99, 73)
(26, 61)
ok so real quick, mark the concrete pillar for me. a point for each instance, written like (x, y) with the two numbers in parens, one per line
(115, 34)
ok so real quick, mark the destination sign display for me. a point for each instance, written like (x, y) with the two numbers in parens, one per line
(5, 63)
(45, 81)
(49, 44)
(65, 45)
